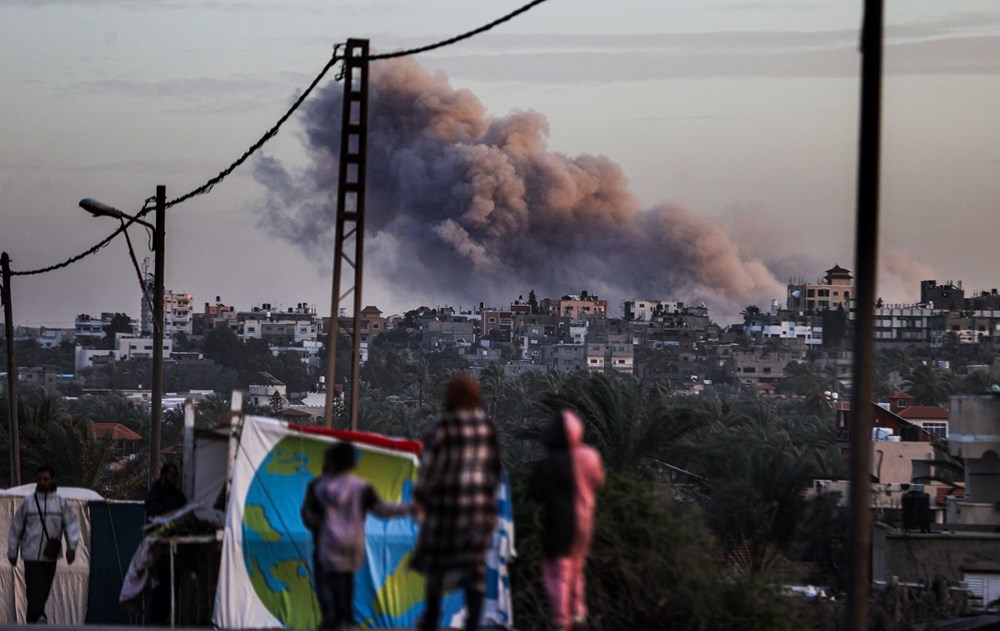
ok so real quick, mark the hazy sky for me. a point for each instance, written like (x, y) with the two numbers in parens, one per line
(744, 113)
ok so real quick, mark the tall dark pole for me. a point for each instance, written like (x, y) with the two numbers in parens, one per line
(8, 327)
(156, 403)
(350, 219)
(866, 261)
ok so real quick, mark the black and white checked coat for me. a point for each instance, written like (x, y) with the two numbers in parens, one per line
(457, 487)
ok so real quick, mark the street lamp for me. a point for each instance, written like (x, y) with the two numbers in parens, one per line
(98, 209)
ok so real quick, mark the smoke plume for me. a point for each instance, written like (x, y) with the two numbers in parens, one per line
(900, 275)
(467, 206)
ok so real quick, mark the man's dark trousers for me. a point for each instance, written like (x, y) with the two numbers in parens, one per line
(38, 576)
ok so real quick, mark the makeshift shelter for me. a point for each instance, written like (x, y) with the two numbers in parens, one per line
(67, 604)
(266, 576)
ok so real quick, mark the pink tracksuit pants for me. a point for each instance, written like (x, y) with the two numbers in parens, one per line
(566, 589)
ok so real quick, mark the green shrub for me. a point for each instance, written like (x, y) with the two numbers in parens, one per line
(653, 565)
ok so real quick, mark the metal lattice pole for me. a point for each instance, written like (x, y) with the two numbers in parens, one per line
(350, 220)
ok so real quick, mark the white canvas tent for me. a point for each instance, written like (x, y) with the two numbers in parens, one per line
(67, 605)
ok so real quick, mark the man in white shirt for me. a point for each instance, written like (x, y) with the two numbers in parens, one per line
(37, 529)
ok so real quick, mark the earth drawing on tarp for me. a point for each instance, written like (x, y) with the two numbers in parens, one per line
(277, 548)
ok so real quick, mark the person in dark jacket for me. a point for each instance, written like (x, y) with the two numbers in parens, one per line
(164, 497)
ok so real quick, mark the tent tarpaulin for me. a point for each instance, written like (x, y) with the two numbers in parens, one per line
(67, 605)
(266, 574)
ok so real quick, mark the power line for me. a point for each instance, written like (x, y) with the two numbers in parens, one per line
(459, 38)
(270, 133)
(84, 254)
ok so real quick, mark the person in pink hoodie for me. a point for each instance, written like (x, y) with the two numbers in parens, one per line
(566, 481)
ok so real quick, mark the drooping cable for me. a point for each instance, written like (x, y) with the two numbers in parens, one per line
(458, 38)
(270, 133)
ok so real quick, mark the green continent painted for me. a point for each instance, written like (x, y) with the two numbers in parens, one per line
(256, 520)
(404, 583)
(277, 547)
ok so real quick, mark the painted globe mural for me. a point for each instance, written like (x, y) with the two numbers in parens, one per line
(277, 548)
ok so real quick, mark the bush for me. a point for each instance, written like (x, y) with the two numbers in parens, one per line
(653, 565)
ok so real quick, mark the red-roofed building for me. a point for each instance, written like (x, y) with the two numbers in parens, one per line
(905, 430)
(931, 418)
(127, 441)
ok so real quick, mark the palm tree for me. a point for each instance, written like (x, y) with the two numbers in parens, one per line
(418, 374)
(657, 363)
(978, 383)
(629, 424)
(749, 312)
(755, 465)
(898, 360)
(50, 435)
(493, 382)
(812, 385)
(930, 385)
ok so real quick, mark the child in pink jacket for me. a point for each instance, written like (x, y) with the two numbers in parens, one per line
(566, 481)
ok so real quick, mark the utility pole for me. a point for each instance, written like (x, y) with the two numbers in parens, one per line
(350, 218)
(156, 402)
(12, 425)
(866, 262)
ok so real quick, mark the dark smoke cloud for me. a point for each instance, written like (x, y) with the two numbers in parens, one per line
(464, 206)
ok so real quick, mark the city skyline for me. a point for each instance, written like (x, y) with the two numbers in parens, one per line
(743, 115)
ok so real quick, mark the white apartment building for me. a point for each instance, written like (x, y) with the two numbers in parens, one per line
(178, 309)
(788, 330)
(87, 329)
(640, 310)
(135, 347)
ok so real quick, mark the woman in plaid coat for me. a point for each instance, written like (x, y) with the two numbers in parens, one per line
(459, 475)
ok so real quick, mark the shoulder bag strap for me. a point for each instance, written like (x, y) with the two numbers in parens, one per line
(24, 521)
(41, 515)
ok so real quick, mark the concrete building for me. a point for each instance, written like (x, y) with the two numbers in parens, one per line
(565, 357)
(496, 320)
(975, 437)
(788, 331)
(129, 346)
(755, 367)
(90, 330)
(963, 327)
(371, 324)
(947, 295)
(901, 324)
(640, 310)
(932, 419)
(43, 336)
(439, 335)
(576, 307)
(260, 394)
(47, 378)
(178, 312)
(830, 292)
(278, 326)
(213, 316)
(616, 354)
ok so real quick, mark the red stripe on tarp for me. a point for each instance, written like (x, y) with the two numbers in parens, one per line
(367, 438)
